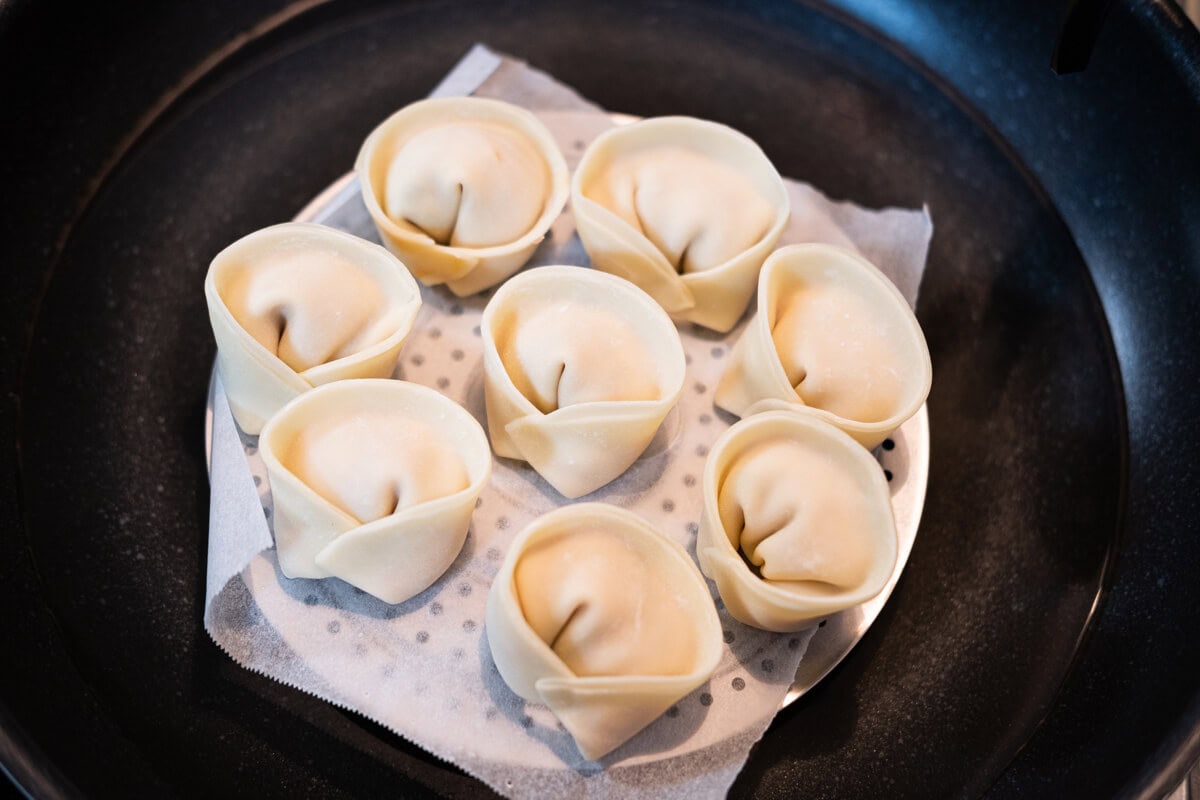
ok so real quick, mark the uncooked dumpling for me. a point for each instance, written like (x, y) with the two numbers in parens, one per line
(699, 212)
(375, 462)
(467, 184)
(793, 529)
(603, 619)
(797, 521)
(580, 369)
(686, 209)
(564, 354)
(597, 626)
(462, 188)
(374, 482)
(833, 334)
(297, 305)
(838, 354)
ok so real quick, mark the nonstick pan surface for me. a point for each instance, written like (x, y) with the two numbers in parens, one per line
(1043, 640)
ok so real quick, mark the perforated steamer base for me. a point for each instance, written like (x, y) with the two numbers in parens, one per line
(444, 352)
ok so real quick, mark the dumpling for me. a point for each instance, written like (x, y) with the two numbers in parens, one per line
(374, 482)
(797, 521)
(834, 334)
(686, 209)
(603, 619)
(462, 188)
(297, 305)
(580, 368)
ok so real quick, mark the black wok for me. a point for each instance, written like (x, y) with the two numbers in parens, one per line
(1043, 640)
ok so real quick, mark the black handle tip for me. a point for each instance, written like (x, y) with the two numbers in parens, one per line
(1077, 35)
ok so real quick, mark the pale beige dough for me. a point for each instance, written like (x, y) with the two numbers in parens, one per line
(603, 619)
(600, 626)
(685, 208)
(562, 354)
(374, 482)
(839, 353)
(299, 305)
(372, 464)
(797, 517)
(467, 185)
(463, 189)
(580, 369)
(310, 307)
(697, 211)
(797, 521)
(834, 335)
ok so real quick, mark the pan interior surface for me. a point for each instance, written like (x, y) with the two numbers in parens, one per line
(1028, 447)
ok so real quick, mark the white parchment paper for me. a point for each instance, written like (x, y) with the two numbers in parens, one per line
(422, 668)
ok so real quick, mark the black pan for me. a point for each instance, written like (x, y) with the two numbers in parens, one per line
(1043, 641)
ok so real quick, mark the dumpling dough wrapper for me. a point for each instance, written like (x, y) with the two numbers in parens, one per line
(580, 369)
(463, 189)
(299, 305)
(374, 482)
(797, 521)
(832, 334)
(686, 209)
(602, 618)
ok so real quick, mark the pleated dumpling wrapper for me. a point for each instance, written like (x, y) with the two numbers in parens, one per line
(463, 189)
(686, 209)
(580, 368)
(602, 618)
(298, 305)
(831, 333)
(797, 521)
(374, 482)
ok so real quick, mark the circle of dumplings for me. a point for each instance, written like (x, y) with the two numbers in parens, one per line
(444, 625)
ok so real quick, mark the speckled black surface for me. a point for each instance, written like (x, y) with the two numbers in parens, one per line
(1033, 477)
